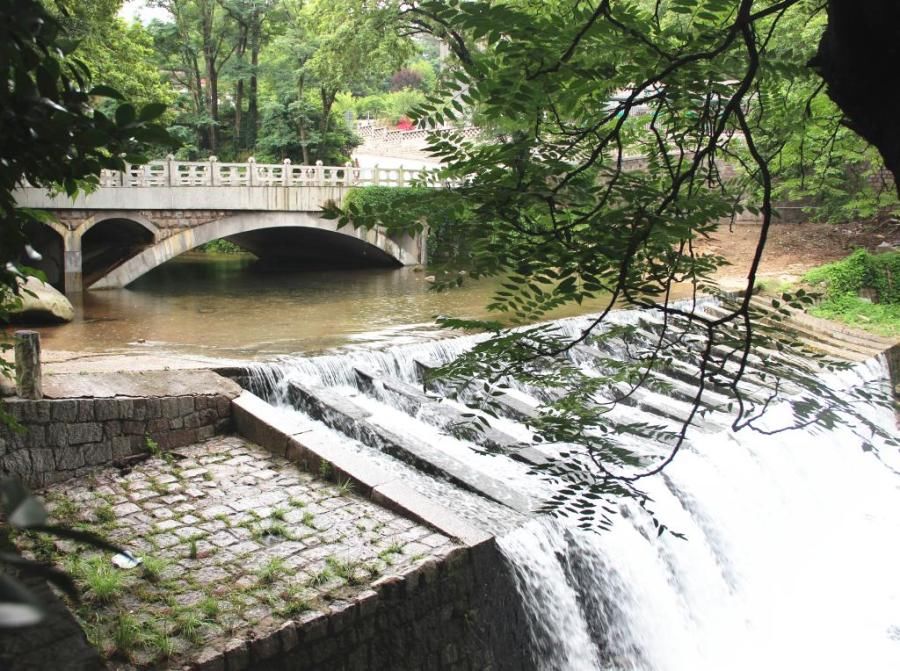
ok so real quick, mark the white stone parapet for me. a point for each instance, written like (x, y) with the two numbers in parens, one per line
(172, 173)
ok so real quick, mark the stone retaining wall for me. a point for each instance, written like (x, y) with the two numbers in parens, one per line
(459, 614)
(62, 439)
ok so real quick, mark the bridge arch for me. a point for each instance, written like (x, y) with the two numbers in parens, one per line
(100, 217)
(373, 246)
(110, 239)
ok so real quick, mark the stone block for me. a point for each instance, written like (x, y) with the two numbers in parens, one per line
(209, 659)
(176, 423)
(111, 429)
(158, 426)
(367, 603)
(154, 408)
(341, 615)
(170, 407)
(185, 405)
(223, 406)
(139, 412)
(57, 435)
(85, 433)
(205, 432)
(237, 655)
(85, 411)
(121, 447)
(288, 635)
(126, 407)
(36, 412)
(35, 436)
(312, 626)
(69, 458)
(106, 409)
(43, 460)
(266, 646)
(17, 463)
(64, 411)
(97, 454)
(133, 428)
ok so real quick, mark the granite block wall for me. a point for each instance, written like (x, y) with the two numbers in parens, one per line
(61, 439)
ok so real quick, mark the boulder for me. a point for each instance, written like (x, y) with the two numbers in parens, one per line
(41, 303)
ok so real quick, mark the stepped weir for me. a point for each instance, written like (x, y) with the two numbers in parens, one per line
(779, 540)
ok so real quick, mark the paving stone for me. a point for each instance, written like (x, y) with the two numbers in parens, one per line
(217, 486)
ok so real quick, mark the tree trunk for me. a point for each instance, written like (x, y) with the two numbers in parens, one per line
(858, 58)
(207, 19)
(301, 127)
(239, 90)
(253, 97)
(328, 96)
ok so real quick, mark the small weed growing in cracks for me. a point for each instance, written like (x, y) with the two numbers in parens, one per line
(345, 487)
(153, 568)
(270, 571)
(104, 514)
(209, 607)
(320, 578)
(126, 633)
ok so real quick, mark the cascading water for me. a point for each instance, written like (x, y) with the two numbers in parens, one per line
(791, 541)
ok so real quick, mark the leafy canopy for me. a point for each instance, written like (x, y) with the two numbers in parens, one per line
(616, 135)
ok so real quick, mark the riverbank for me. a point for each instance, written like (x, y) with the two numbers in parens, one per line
(205, 311)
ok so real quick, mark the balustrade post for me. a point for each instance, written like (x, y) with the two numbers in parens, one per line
(376, 175)
(213, 173)
(400, 177)
(28, 365)
(320, 174)
(348, 173)
(125, 175)
(286, 172)
(171, 177)
(251, 170)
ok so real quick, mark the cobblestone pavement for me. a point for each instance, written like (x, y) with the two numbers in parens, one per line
(234, 541)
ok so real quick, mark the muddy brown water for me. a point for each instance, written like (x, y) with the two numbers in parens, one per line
(231, 307)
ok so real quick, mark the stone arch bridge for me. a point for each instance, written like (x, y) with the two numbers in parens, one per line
(138, 219)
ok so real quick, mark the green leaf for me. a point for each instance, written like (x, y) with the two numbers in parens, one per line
(105, 92)
(23, 511)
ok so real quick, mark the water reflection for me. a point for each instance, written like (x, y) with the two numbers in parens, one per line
(232, 306)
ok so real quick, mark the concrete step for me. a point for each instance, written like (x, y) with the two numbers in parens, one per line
(343, 415)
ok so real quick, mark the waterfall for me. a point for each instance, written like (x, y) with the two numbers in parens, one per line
(791, 547)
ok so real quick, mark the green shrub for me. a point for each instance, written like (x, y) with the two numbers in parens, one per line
(861, 270)
(221, 246)
(445, 214)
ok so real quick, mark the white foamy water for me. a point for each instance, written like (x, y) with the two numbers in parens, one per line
(791, 560)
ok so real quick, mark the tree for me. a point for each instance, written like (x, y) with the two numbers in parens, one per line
(54, 139)
(251, 17)
(118, 54)
(354, 44)
(203, 37)
(570, 90)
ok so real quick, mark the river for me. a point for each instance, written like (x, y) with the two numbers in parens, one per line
(230, 306)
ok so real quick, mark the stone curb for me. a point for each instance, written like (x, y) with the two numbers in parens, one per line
(309, 447)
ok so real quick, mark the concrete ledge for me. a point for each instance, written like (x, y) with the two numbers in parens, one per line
(309, 447)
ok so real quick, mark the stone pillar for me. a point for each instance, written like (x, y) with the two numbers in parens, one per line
(28, 365)
(73, 282)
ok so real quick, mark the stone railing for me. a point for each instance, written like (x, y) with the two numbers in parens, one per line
(386, 135)
(172, 173)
